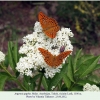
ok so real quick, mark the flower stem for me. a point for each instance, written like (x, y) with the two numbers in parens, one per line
(38, 88)
(18, 82)
(6, 70)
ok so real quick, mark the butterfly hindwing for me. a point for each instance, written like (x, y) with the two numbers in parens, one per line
(48, 57)
(50, 32)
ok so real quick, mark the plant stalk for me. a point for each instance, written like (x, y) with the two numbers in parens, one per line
(38, 88)
(6, 70)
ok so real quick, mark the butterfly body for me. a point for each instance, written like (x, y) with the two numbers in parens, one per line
(49, 25)
(53, 60)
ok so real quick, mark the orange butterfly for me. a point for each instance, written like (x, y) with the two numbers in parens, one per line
(53, 60)
(49, 25)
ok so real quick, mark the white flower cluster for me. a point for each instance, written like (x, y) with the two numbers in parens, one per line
(2, 56)
(33, 59)
(88, 87)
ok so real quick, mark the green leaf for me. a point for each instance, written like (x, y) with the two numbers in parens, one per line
(15, 53)
(97, 67)
(66, 81)
(26, 81)
(4, 73)
(77, 88)
(44, 82)
(64, 88)
(70, 70)
(76, 58)
(83, 59)
(56, 79)
(17, 73)
(87, 67)
(10, 55)
(33, 82)
(32, 86)
(84, 81)
(3, 79)
(15, 89)
(81, 70)
(36, 77)
(94, 78)
(6, 62)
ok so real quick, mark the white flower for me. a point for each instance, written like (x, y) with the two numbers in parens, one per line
(25, 65)
(50, 72)
(88, 87)
(29, 83)
(37, 27)
(2, 56)
(34, 60)
(66, 32)
(95, 88)
(52, 87)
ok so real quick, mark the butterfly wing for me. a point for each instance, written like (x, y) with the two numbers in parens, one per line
(48, 57)
(53, 60)
(60, 57)
(49, 25)
(57, 61)
(52, 28)
(63, 55)
(43, 19)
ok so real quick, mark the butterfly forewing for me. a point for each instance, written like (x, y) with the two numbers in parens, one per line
(44, 52)
(63, 55)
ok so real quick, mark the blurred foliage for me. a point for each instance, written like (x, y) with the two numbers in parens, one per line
(10, 32)
(83, 18)
(33, 3)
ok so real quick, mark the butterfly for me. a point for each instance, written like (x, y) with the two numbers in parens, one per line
(53, 60)
(49, 25)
